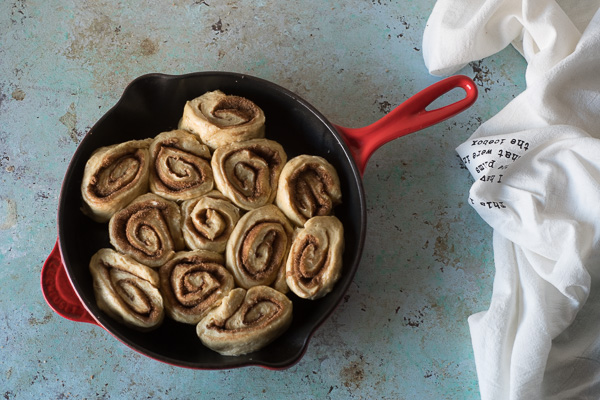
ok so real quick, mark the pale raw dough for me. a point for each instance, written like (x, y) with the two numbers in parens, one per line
(219, 119)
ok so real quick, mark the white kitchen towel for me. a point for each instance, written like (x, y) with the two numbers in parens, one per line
(536, 166)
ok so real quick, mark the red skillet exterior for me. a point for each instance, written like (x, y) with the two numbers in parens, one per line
(152, 104)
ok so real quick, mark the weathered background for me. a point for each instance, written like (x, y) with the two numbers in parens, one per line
(401, 332)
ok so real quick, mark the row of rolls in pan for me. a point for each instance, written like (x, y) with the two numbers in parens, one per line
(212, 225)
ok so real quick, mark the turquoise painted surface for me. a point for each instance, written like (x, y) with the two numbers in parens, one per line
(401, 332)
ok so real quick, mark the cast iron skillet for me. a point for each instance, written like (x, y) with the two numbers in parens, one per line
(154, 103)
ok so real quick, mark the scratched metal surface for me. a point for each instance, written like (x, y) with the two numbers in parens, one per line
(401, 332)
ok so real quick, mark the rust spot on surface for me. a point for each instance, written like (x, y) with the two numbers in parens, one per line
(148, 47)
(35, 321)
(18, 94)
(415, 319)
(353, 374)
(218, 26)
(385, 106)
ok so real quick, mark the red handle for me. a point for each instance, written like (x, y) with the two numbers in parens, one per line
(408, 117)
(58, 291)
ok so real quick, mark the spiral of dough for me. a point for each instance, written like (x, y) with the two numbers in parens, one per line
(127, 290)
(114, 176)
(208, 221)
(219, 119)
(180, 166)
(246, 321)
(148, 230)
(308, 186)
(248, 172)
(192, 283)
(314, 264)
(258, 248)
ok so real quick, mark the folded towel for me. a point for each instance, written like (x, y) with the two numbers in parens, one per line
(536, 166)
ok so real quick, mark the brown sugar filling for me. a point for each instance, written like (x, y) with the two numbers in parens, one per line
(143, 229)
(179, 170)
(319, 259)
(236, 108)
(310, 196)
(117, 173)
(266, 247)
(198, 286)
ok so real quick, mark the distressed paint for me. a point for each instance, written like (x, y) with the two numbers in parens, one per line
(401, 331)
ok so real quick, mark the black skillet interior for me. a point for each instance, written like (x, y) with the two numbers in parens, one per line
(154, 103)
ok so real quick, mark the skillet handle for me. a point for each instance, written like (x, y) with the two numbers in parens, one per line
(408, 117)
(58, 291)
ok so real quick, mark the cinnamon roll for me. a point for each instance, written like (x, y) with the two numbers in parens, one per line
(114, 176)
(248, 172)
(219, 119)
(180, 168)
(314, 264)
(208, 221)
(308, 186)
(258, 247)
(246, 321)
(192, 283)
(148, 230)
(127, 290)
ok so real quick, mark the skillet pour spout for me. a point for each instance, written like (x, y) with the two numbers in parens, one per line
(152, 104)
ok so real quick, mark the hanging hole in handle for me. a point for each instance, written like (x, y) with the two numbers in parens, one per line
(452, 96)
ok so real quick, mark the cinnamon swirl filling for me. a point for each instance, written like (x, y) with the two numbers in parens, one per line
(308, 186)
(314, 264)
(248, 172)
(148, 230)
(180, 166)
(192, 284)
(208, 221)
(258, 248)
(127, 290)
(114, 176)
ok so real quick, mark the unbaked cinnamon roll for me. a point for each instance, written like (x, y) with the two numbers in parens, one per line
(258, 247)
(314, 264)
(248, 172)
(219, 119)
(180, 168)
(127, 290)
(308, 186)
(208, 221)
(114, 176)
(192, 283)
(148, 230)
(246, 321)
